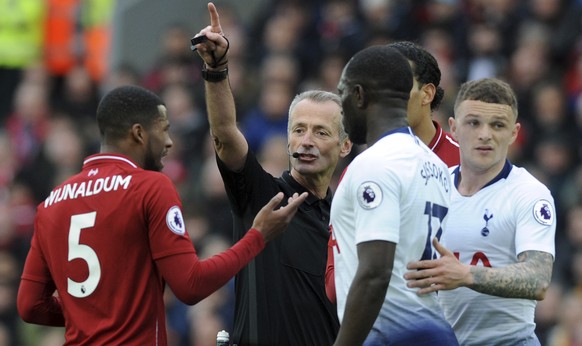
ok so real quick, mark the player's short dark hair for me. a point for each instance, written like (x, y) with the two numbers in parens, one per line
(425, 68)
(489, 90)
(382, 71)
(125, 106)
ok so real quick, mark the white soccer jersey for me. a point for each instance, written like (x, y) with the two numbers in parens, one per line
(512, 214)
(398, 191)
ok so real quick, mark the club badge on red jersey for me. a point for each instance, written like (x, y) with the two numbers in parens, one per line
(175, 220)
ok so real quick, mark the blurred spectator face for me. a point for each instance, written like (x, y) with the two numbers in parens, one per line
(63, 145)
(529, 62)
(273, 155)
(120, 76)
(331, 71)
(439, 43)
(484, 40)
(281, 34)
(78, 84)
(8, 160)
(275, 99)
(549, 105)
(174, 71)
(553, 156)
(377, 13)
(31, 102)
(281, 68)
(574, 229)
(180, 105)
(441, 11)
(174, 41)
(545, 9)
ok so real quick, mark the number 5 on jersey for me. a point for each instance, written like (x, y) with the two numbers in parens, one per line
(84, 252)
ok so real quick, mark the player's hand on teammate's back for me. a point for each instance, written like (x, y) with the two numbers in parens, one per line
(444, 273)
(270, 221)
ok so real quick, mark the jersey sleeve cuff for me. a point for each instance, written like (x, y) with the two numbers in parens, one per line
(257, 237)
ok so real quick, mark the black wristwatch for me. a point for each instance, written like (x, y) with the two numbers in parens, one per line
(214, 76)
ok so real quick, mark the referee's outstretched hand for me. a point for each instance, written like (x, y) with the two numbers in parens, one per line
(214, 48)
(270, 221)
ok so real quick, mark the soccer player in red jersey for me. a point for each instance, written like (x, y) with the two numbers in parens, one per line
(108, 239)
(425, 96)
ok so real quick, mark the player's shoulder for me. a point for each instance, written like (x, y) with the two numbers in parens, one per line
(153, 178)
(391, 153)
(523, 186)
(521, 178)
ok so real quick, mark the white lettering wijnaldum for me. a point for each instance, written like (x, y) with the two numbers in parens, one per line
(87, 188)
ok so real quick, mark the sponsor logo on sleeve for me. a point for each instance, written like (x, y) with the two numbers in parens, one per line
(175, 220)
(369, 195)
(543, 212)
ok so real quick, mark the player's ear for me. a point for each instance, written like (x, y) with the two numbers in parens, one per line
(515, 132)
(428, 92)
(453, 127)
(138, 133)
(360, 96)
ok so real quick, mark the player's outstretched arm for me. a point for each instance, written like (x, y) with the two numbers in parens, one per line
(229, 142)
(192, 279)
(527, 279)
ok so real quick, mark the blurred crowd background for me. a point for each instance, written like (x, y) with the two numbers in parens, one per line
(55, 65)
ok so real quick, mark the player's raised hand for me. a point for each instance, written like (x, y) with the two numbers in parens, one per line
(211, 43)
(271, 222)
(444, 273)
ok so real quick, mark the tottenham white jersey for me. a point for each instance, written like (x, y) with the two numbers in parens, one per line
(512, 214)
(398, 191)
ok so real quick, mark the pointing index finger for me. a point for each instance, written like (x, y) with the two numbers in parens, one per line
(214, 18)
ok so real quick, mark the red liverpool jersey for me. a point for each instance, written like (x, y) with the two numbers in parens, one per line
(96, 237)
(446, 148)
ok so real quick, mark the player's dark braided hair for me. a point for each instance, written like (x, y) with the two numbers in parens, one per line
(426, 69)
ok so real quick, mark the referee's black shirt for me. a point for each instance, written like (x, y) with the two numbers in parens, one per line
(280, 295)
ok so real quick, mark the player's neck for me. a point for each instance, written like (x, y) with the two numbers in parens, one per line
(386, 120)
(425, 131)
(471, 180)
